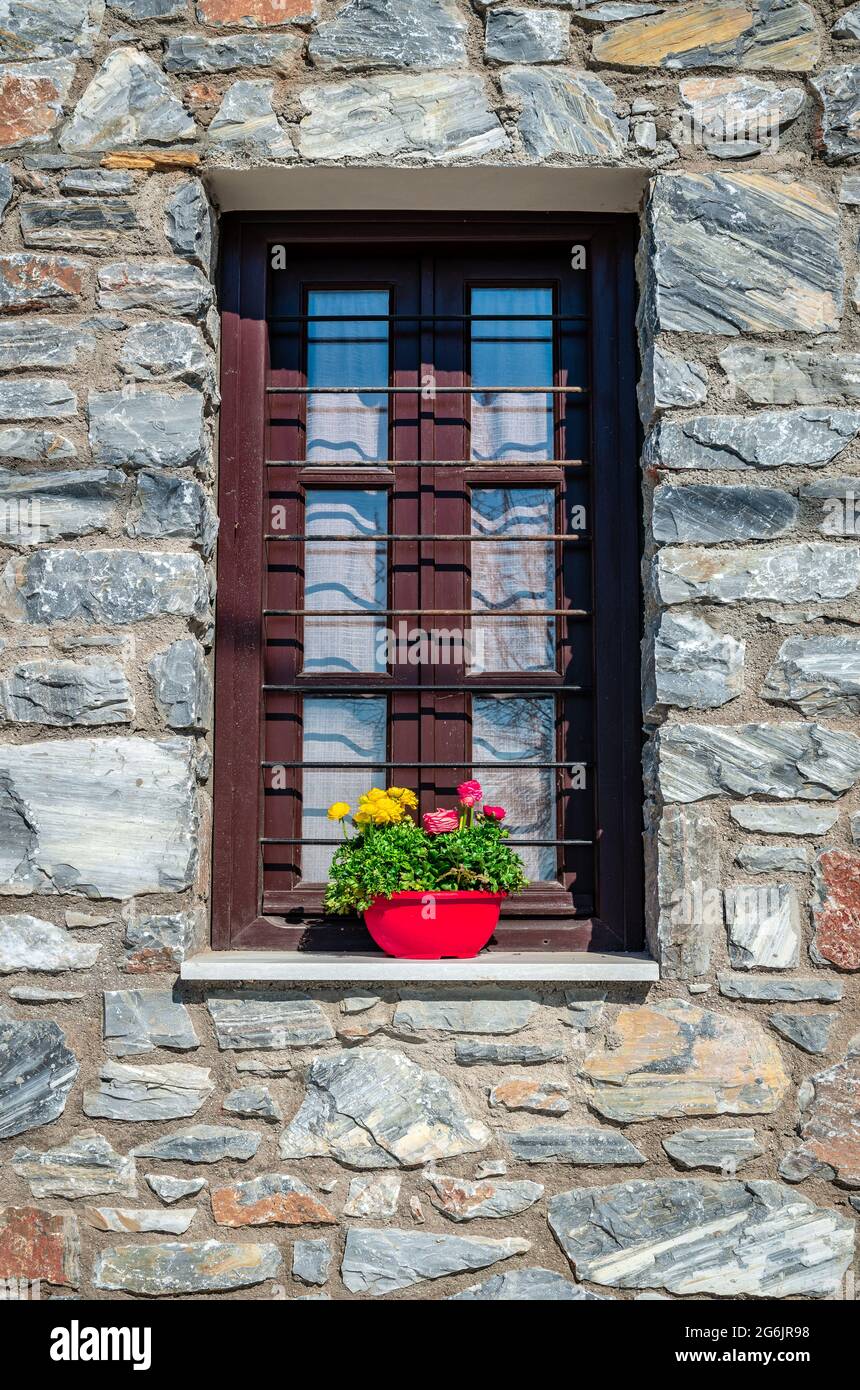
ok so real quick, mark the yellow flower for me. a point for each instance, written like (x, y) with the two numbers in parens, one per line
(407, 798)
(386, 811)
(338, 810)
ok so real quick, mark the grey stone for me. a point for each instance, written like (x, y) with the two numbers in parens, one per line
(311, 1261)
(29, 281)
(669, 381)
(7, 188)
(527, 1285)
(169, 287)
(139, 1020)
(170, 1190)
(706, 513)
(854, 825)
(105, 182)
(763, 859)
(32, 342)
(141, 1220)
(807, 438)
(806, 573)
(472, 1054)
(192, 54)
(84, 1166)
(358, 1003)
(128, 102)
(460, 1200)
(104, 586)
(266, 1022)
(374, 1197)
(183, 690)
(203, 1144)
(253, 1103)
(158, 943)
(849, 190)
(827, 1125)
(188, 222)
(131, 1093)
(270, 1199)
(694, 1235)
(778, 376)
(166, 351)
(536, 1095)
(380, 1262)
(779, 760)
(67, 693)
(836, 501)
(36, 399)
(734, 117)
(81, 224)
(150, 9)
(785, 820)
(847, 26)
(838, 92)
(57, 815)
(763, 925)
(364, 34)
(438, 117)
(37, 1072)
(683, 891)
(168, 505)
(447, 1014)
(721, 1150)
(245, 122)
(580, 1147)
(34, 446)
(373, 1108)
(147, 428)
(585, 1007)
(818, 675)
(565, 112)
(516, 35)
(728, 254)
(34, 994)
(27, 943)
(690, 665)
(210, 1266)
(44, 28)
(757, 989)
(809, 1032)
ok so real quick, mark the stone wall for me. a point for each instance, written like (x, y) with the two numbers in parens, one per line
(336, 1144)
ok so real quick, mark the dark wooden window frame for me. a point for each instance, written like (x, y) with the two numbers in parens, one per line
(238, 919)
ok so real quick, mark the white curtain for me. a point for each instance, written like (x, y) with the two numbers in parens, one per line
(513, 728)
(350, 733)
(350, 428)
(345, 574)
(510, 576)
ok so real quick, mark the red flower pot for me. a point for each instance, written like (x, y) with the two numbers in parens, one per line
(429, 926)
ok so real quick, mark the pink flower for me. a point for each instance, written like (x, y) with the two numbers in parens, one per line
(495, 812)
(469, 793)
(440, 822)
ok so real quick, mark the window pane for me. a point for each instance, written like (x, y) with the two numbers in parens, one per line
(513, 576)
(353, 427)
(345, 574)
(512, 352)
(511, 728)
(345, 732)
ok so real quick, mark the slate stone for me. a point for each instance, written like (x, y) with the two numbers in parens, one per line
(449, 1014)
(29, 282)
(150, 9)
(173, 506)
(779, 760)
(266, 1022)
(140, 1220)
(7, 188)
(763, 859)
(36, 399)
(668, 381)
(828, 1128)
(38, 1247)
(245, 123)
(472, 1054)
(767, 989)
(31, 99)
(198, 55)
(764, 926)
(364, 34)
(714, 33)
(796, 819)
(583, 1147)
(373, 1108)
(34, 446)
(165, 351)
(809, 1032)
(836, 502)
(182, 686)
(148, 428)
(460, 1200)
(132, 1093)
(157, 943)
(112, 587)
(34, 342)
(706, 513)
(683, 891)
(81, 224)
(85, 1166)
(27, 943)
(209, 1266)
(374, 1197)
(847, 26)
(44, 28)
(738, 253)
(311, 1261)
(218, 14)
(437, 117)
(695, 1235)
(383, 1261)
(565, 112)
(807, 438)
(188, 223)
(734, 117)
(674, 1058)
(690, 665)
(517, 35)
(169, 287)
(271, 1199)
(67, 693)
(253, 1103)
(527, 1285)
(533, 1095)
(104, 182)
(585, 1007)
(128, 102)
(818, 675)
(34, 994)
(838, 92)
(836, 909)
(203, 1144)
(171, 1190)
(37, 1072)
(139, 1020)
(720, 1150)
(777, 376)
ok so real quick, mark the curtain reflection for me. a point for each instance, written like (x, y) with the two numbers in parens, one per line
(508, 728)
(512, 576)
(347, 732)
(345, 574)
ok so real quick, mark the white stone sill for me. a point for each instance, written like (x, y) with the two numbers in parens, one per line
(562, 967)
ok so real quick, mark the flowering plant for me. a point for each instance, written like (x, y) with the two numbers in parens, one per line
(455, 848)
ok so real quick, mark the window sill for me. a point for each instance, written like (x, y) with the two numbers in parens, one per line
(561, 967)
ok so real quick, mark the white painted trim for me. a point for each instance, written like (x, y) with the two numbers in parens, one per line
(564, 967)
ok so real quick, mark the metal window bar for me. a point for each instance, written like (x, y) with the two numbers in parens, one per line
(272, 840)
(420, 316)
(419, 764)
(362, 466)
(336, 691)
(573, 613)
(569, 538)
(421, 387)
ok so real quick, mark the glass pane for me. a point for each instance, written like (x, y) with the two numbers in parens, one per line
(350, 428)
(512, 352)
(513, 576)
(345, 732)
(345, 574)
(511, 728)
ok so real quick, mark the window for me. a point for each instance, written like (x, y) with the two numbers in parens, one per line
(428, 559)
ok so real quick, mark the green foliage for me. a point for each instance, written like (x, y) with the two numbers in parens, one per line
(385, 859)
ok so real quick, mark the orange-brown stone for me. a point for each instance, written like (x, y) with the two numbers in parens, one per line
(273, 1199)
(38, 282)
(38, 1244)
(830, 1126)
(708, 33)
(836, 911)
(29, 107)
(255, 14)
